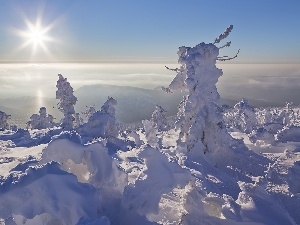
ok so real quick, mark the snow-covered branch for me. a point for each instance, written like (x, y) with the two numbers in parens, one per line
(224, 35)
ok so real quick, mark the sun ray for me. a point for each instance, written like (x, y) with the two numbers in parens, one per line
(36, 35)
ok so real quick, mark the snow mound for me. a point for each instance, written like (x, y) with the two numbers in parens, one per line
(35, 192)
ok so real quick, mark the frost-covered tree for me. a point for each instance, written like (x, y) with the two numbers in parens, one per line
(78, 120)
(159, 118)
(245, 117)
(199, 120)
(41, 120)
(67, 101)
(102, 123)
(150, 132)
(3, 121)
(286, 114)
(89, 112)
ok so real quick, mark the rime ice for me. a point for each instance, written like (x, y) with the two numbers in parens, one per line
(41, 120)
(66, 101)
(3, 120)
(151, 172)
(201, 125)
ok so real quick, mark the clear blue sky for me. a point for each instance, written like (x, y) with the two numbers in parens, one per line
(151, 30)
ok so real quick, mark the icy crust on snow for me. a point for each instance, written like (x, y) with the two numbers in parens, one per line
(46, 189)
(91, 164)
(147, 185)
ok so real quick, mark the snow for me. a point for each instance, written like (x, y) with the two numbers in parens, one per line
(67, 100)
(214, 165)
(3, 120)
(41, 120)
(102, 123)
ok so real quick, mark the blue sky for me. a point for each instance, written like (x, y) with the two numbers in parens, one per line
(150, 30)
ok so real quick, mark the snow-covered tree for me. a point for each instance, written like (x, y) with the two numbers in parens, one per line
(78, 120)
(159, 118)
(245, 117)
(3, 120)
(67, 100)
(89, 112)
(200, 122)
(286, 115)
(41, 120)
(150, 132)
(102, 123)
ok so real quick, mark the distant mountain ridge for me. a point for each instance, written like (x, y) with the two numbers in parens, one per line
(134, 104)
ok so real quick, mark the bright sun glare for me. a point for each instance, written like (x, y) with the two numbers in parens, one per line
(35, 35)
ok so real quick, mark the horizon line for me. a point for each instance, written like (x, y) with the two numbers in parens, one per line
(137, 62)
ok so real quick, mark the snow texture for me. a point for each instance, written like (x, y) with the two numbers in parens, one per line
(240, 170)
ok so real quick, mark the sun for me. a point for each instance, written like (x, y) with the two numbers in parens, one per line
(36, 36)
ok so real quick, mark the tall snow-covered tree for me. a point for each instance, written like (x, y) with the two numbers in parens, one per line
(67, 101)
(3, 120)
(201, 124)
(41, 120)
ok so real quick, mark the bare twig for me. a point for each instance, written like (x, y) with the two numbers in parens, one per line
(226, 58)
(176, 69)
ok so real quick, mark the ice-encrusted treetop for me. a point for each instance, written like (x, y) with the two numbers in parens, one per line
(109, 106)
(198, 65)
(67, 100)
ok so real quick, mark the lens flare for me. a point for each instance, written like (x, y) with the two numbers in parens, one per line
(35, 35)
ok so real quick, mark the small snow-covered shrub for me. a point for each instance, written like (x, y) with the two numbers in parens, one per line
(3, 120)
(245, 116)
(102, 123)
(150, 132)
(41, 120)
(159, 118)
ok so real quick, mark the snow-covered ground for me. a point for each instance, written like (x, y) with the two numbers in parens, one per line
(209, 165)
(64, 180)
